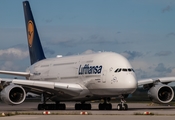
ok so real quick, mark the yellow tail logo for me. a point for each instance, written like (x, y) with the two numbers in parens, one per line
(30, 32)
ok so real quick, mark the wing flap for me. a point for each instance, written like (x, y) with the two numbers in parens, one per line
(41, 84)
(71, 89)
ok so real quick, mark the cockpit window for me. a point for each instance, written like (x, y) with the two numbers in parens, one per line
(116, 70)
(124, 70)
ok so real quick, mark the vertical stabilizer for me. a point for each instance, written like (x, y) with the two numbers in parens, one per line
(34, 44)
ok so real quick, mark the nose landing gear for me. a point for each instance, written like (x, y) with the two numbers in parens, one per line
(122, 105)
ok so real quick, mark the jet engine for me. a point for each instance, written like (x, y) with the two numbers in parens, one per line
(13, 94)
(161, 93)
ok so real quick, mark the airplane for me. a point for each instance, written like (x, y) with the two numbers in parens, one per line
(78, 78)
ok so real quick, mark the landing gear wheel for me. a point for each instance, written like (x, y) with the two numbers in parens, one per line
(105, 106)
(61, 107)
(51, 106)
(125, 107)
(122, 105)
(40, 106)
(109, 106)
(86, 106)
(119, 106)
(101, 106)
(78, 106)
(82, 106)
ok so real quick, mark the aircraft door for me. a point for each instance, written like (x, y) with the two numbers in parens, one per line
(104, 76)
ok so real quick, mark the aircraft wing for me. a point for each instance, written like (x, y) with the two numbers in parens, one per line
(39, 87)
(164, 80)
(24, 74)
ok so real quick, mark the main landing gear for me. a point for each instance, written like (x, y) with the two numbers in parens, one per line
(105, 105)
(56, 106)
(51, 106)
(82, 106)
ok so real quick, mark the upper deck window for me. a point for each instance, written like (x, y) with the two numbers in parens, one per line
(58, 64)
(44, 65)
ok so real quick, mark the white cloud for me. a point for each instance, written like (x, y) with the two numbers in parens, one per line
(131, 54)
(13, 53)
(140, 64)
(145, 69)
(88, 52)
(163, 53)
(11, 59)
(167, 9)
(9, 65)
(172, 73)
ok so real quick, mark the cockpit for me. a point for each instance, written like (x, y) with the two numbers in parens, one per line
(124, 70)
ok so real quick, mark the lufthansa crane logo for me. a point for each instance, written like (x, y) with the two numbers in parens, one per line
(30, 32)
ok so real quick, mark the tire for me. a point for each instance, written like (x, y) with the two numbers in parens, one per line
(88, 106)
(40, 107)
(119, 107)
(78, 106)
(109, 106)
(62, 106)
(125, 107)
(101, 106)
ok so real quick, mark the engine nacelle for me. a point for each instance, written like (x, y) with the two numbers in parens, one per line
(161, 93)
(13, 94)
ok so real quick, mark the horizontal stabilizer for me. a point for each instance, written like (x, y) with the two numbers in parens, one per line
(24, 74)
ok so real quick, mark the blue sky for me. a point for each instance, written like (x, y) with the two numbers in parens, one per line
(141, 30)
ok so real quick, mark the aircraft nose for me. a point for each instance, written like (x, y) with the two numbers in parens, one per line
(131, 82)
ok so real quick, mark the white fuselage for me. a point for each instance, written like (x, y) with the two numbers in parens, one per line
(103, 74)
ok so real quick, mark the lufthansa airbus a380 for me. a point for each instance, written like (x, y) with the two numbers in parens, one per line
(79, 78)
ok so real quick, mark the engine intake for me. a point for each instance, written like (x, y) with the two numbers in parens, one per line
(161, 93)
(13, 94)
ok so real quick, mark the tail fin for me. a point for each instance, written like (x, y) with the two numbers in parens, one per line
(34, 44)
